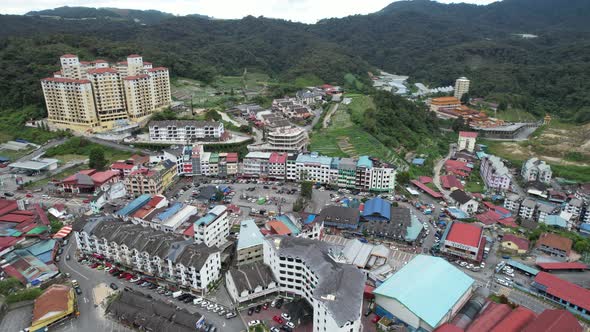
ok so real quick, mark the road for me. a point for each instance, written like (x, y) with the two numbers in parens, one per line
(92, 318)
(438, 168)
(114, 145)
(329, 115)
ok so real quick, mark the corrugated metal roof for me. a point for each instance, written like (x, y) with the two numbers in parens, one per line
(364, 161)
(377, 206)
(417, 286)
(249, 234)
(134, 205)
(170, 211)
(522, 267)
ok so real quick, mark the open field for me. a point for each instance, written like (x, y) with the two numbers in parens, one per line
(61, 175)
(564, 146)
(512, 115)
(343, 138)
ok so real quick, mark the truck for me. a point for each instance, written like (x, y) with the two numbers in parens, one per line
(176, 294)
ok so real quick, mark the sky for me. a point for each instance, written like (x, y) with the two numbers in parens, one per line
(307, 11)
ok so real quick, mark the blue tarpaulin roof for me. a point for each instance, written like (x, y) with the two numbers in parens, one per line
(418, 161)
(169, 212)
(377, 208)
(310, 218)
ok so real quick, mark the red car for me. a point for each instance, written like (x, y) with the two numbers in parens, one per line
(265, 306)
(278, 319)
(94, 266)
(29, 195)
(375, 319)
(129, 277)
(112, 271)
(86, 201)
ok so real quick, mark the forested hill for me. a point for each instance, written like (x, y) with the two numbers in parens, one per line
(432, 42)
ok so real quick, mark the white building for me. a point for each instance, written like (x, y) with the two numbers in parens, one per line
(256, 164)
(467, 141)
(536, 170)
(382, 179)
(527, 209)
(213, 228)
(185, 131)
(574, 206)
(282, 139)
(464, 202)
(163, 255)
(544, 211)
(313, 270)
(461, 87)
(316, 168)
(512, 202)
(249, 246)
(495, 174)
(249, 282)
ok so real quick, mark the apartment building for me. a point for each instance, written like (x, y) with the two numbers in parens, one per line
(574, 206)
(96, 96)
(151, 252)
(527, 209)
(316, 168)
(248, 282)
(213, 228)
(256, 164)
(461, 87)
(495, 174)
(536, 170)
(277, 165)
(282, 139)
(544, 211)
(249, 246)
(512, 202)
(151, 181)
(347, 173)
(467, 141)
(554, 245)
(186, 131)
(314, 270)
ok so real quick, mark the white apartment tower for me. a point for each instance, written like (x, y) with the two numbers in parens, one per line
(461, 87)
(95, 96)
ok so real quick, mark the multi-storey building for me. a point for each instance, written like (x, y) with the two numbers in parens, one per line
(512, 202)
(461, 87)
(277, 165)
(94, 96)
(554, 245)
(256, 164)
(316, 168)
(536, 170)
(249, 246)
(282, 139)
(544, 211)
(186, 131)
(574, 206)
(527, 209)
(347, 173)
(151, 252)
(495, 174)
(467, 141)
(314, 271)
(151, 180)
(213, 228)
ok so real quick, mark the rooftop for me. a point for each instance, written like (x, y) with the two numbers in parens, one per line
(377, 207)
(554, 320)
(467, 234)
(520, 242)
(555, 241)
(249, 276)
(564, 289)
(314, 158)
(470, 134)
(417, 287)
(54, 301)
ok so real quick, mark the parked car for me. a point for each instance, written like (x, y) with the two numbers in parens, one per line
(375, 319)
(78, 290)
(258, 308)
(114, 286)
(265, 306)
(250, 311)
(253, 323)
(230, 315)
(290, 325)
(285, 316)
(278, 319)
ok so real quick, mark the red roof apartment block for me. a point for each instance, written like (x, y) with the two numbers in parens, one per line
(232, 157)
(467, 234)
(563, 289)
(277, 158)
(555, 241)
(515, 321)
(470, 134)
(554, 321)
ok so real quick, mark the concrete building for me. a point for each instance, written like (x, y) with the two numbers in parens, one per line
(316, 168)
(424, 294)
(287, 139)
(515, 244)
(527, 209)
(186, 131)
(153, 181)
(213, 228)
(554, 245)
(461, 87)
(467, 141)
(313, 270)
(255, 164)
(463, 240)
(248, 282)
(88, 181)
(512, 202)
(574, 206)
(277, 165)
(151, 252)
(55, 304)
(536, 170)
(249, 247)
(442, 103)
(95, 96)
(564, 293)
(464, 202)
(495, 174)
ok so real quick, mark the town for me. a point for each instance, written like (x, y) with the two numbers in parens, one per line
(192, 234)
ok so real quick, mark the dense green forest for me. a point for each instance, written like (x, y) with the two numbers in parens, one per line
(432, 42)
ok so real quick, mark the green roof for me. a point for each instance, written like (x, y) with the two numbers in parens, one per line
(38, 230)
(427, 286)
(523, 267)
(214, 158)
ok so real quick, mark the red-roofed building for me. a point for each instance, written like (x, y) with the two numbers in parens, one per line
(123, 167)
(450, 181)
(554, 245)
(564, 292)
(467, 140)
(156, 202)
(7, 206)
(425, 179)
(463, 240)
(189, 232)
(515, 244)
(565, 266)
(100, 71)
(69, 56)
(232, 157)
(6, 243)
(492, 314)
(15, 218)
(158, 69)
(88, 181)
(488, 218)
(447, 327)
(277, 165)
(554, 321)
(427, 190)
(65, 80)
(458, 168)
(508, 222)
(134, 56)
(278, 228)
(515, 321)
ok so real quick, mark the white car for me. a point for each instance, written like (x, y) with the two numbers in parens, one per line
(253, 323)
(463, 264)
(108, 268)
(286, 316)
(510, 274)
(134, 280)
(290, 324)
(198, 300)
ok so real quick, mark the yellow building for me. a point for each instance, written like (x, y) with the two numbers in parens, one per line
(96, 96)
(56, 303)
(515, 244)
(152, 181)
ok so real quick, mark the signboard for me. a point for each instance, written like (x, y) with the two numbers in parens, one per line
(460, 246)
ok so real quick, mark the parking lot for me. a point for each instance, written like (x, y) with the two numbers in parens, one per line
(271, 317)
(17, 319)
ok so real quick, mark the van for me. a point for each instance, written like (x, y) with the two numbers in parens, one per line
(176, 294)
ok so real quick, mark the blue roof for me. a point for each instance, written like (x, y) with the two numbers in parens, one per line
(427, 286)
(585, 227)
(287, 221)
(459, 214)
(249, 234)
(523, 267)
(481, 154)
(377, 206)
(364, 161)
(555, 220)
(211, 215)
(4, 159)
(418, 161)
(310, 218)
(42, 247)
(169, 212)
(314, 157)
(413, 231)
(134, 205)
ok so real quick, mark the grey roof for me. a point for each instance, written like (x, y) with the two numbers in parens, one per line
(575, 202)
(249, 276)
(513, 197)
(347, 164)
(84, 179)
(340, 286)
(397, 228)
(167, 246)
(530, 203)
(460, 196)
(184, 123)
(546, 208)
(339, 215)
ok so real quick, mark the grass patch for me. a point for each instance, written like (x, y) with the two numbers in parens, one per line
(513, 115)
(258, 328)
(574, 173)
(71, 157)
(79, 148)
(24, 295)
(475, 183)
(61, 175)
(14, 155)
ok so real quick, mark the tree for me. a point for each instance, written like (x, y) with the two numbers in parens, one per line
(465, 98)
(502, 106)
(459, 124)
(96, 159)
(306, 189)
(212, 115)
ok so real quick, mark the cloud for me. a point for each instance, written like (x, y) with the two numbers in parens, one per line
(307, 11)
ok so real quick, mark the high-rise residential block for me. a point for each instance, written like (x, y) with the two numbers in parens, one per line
(461, 87)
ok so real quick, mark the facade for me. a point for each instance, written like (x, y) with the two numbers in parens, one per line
(574, 206)
(461, 87)
(255, 164)
(463, 240)
(287, 139)
(277, 165)
(575, 298)
(316, 168)
(512, 202)
(467, 141)
(186, 131)
(536, 170)
(415, 294)
(442, 103)
(527, 209)
(249, 247)
(495, 174)
(248, 282)
(155, 253)
(310, 269)
(213, 228)
(95, 96)
(515, 244)
(465, 202)
(153, 181)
